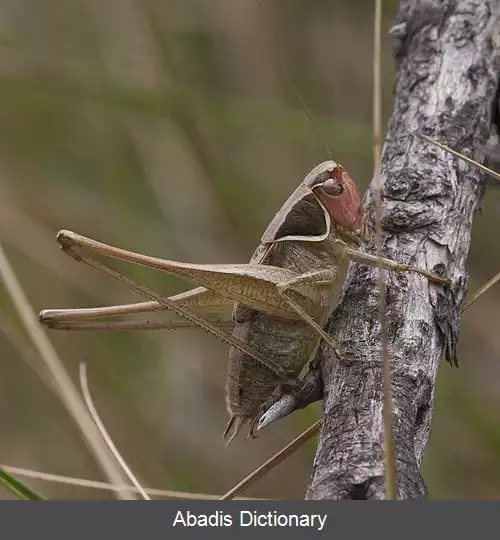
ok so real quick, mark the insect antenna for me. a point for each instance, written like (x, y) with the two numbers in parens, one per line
(297, 93)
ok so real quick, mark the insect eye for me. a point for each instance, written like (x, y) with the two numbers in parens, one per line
(332, 187)
(322, 177)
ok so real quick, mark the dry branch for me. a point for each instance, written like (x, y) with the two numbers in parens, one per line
(446, 86)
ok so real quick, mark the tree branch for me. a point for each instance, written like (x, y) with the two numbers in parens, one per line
(446, 82)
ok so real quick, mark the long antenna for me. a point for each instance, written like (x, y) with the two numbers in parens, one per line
(297, 93)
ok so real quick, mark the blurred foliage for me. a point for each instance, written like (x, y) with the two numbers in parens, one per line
(171, 128)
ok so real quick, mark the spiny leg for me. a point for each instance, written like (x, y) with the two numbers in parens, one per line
(312, 323)
(381, 262)
(81, 318)
(316, 277)
(325, 276)
(200, 297)
(121, 326)
(172, 306)
(245, 283)
(52, 317)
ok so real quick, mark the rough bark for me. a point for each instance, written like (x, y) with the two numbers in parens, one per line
(446, 83)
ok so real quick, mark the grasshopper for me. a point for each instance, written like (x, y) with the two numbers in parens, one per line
(282, 298)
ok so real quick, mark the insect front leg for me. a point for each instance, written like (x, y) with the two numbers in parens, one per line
(343, 250)
(318, 278)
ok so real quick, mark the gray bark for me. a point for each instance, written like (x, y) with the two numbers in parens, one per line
(446, 84)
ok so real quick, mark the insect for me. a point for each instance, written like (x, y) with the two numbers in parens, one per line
(282, 298)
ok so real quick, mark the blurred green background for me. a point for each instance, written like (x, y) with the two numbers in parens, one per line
(170, 128)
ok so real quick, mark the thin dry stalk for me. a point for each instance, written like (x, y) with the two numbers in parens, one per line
(272, 462)
(482, 290)
(389, 450)
(104, 434)
(480, 166)
(92, 484)
(65, 387)
(27, 353)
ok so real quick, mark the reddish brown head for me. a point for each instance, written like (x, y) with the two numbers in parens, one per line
(336, 190)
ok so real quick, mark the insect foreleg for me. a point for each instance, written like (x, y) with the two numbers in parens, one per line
(380, 262)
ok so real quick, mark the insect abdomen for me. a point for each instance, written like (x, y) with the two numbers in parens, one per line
(287, 344)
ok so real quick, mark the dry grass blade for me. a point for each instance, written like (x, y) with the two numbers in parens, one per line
(389, 447)
(27, 353)
(37, 245)
(495, 279)
(273, 462)
(485, 169)
(65, 387)
(92, 484)
(482, 290)
(104, 434)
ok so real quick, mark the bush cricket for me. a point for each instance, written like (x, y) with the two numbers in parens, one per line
(282, 298)
(307, 391)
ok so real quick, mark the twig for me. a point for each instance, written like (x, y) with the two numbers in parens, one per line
(273, 462)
